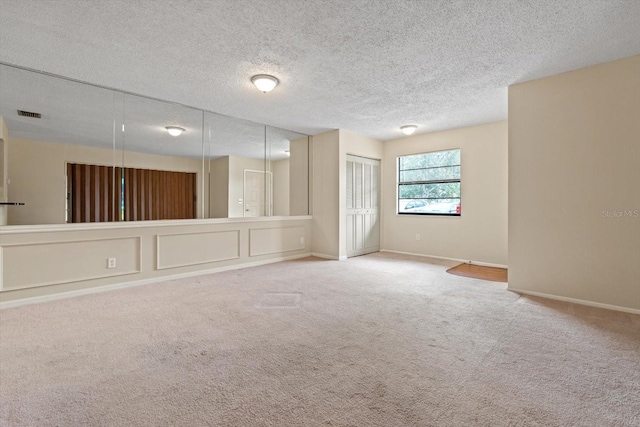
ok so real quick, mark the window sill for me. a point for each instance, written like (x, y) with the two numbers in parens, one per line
(425, 214)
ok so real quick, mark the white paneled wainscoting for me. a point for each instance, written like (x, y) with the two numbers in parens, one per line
(45, 262)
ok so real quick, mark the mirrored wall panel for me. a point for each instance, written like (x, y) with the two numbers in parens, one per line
(76, 153)
(288, 164)
(236, 167)
(50, 123)
(162, 173)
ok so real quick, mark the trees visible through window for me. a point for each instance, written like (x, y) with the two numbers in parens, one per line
(429, 183)
(104, 194)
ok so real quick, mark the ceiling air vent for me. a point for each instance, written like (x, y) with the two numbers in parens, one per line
(29, 114)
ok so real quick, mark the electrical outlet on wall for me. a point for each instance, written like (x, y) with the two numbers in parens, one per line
(111, 263)
(417, 236)
(302, 240)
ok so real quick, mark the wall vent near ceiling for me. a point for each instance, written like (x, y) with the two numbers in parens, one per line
(29, 114)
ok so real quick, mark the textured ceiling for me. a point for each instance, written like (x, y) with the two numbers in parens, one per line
(363, 66)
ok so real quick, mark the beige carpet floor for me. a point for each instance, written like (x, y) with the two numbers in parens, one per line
(379, 340)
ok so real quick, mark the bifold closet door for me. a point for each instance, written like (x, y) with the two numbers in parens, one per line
(362, 201)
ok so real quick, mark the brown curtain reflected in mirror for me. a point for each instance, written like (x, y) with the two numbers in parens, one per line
(106, 194)
(93, 193)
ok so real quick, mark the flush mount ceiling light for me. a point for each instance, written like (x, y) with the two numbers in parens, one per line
(174, 130)
(408, 129)
(264, 82)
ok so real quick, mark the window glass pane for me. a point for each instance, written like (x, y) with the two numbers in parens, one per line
(449, 190)
(432, 174)
(430, 206)
(430, 160)
(429, 183)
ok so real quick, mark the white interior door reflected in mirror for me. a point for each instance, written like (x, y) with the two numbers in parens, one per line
(257, 193)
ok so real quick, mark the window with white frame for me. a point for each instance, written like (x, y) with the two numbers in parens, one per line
(429, 183)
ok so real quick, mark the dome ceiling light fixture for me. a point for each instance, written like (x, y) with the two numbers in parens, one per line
(265, 82)
(174, 130)
(408, 129)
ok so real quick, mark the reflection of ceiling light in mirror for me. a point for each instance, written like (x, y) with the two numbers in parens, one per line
(265, 82)
(408, 129)
(288, 152)
(174, 130)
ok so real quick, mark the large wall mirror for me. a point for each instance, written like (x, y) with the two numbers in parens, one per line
(74, 152)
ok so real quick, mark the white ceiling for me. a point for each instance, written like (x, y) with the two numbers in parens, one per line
(365, 66)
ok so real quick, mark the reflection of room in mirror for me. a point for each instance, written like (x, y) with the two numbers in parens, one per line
(84, 124)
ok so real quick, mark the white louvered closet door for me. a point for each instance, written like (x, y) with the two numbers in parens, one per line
(363, 219)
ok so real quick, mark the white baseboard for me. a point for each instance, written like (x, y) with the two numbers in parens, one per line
(577, 301)
(325, 256)
(485, 264)
(98, 289)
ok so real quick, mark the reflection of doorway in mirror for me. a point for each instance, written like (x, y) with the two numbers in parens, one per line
(257, 193)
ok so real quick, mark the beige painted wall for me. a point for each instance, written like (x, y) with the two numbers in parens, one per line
(299, 168)
(362, 146)
(144, 252)
(3, 129)
(219, 188)
(574, 172)
(280, 169)
(37, 173)
(325, 194)
(4, 169)
(480, 233)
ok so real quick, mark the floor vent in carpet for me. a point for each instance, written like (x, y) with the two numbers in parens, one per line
(495, 274)
(280, 300)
